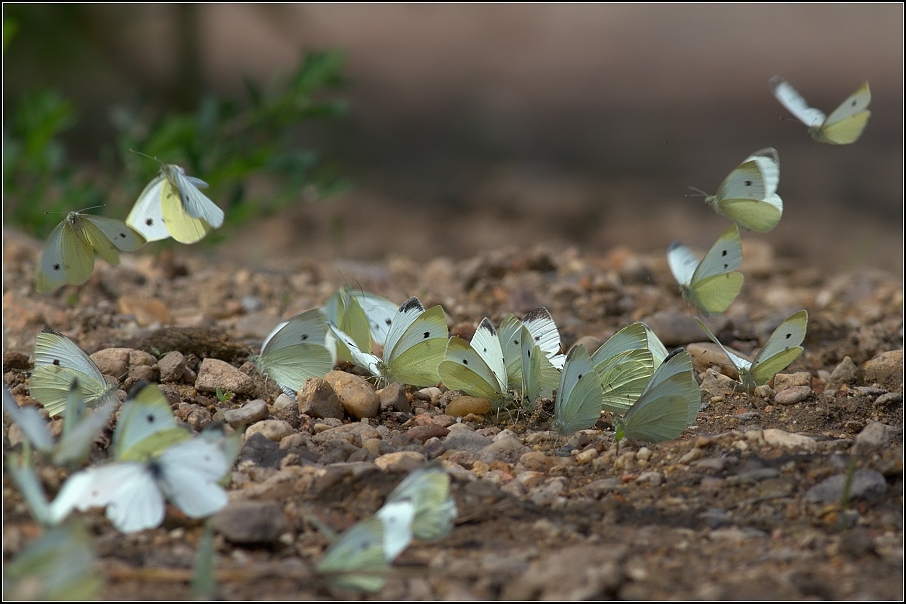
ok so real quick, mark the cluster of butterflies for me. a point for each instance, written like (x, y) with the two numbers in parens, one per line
(748, 197)
(172, 205)
(154, 458)
(653, 395)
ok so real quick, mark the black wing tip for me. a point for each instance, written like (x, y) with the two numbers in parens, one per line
(539, 313)
(411, 303)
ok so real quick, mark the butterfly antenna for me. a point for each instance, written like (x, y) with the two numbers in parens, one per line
(146, 155)
(696, 193)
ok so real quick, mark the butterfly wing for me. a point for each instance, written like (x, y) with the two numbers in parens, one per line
(578, 402)
(194, 202)
(146, 216)
(416, 347)
(380, 312)
(624, 364)
(464, 369)
(668, 404)
(435, 510)
(396, 516)
(127, 489)
(75, 445)
(541, 325)
(58, 361)
(794, 103)
(846, 123)
(31, 422)
(532, 357)
(357, 560)
(714, 283)
(742, 365)
(146, 426)
(682, 262)
(297, 351)
(188, 474)
(181, 225)
(110, 236)
(67, 257)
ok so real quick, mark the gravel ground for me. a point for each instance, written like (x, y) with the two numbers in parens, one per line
(747, 504)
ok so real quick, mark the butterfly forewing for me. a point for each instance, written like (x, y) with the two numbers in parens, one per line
(578, 402)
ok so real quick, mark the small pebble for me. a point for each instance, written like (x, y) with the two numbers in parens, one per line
(214, 374)
(271, 429)
(249, 413)
(793, 395)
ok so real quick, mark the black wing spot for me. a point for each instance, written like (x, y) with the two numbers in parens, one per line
(304, 337)
(56, 362)
(748, 183)
(122, 235)
(788, 336)
(579, 378)
(426, 335)
(465, 362)
(388, 321)
(149, 221)
(149, 418)
(56, 267)
(723, 253)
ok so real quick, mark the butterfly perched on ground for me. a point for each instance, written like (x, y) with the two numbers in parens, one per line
(297, 350)
(668, 404)
(842, 127)
(578, 402)
(172, 205)
(59, 362)
(476, 367)
(781, 349)
(625, 363)
(413, 348)
(352, 311)
(748, 196)
(712, 284)
(68, 255)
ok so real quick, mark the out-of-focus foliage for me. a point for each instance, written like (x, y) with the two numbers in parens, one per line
(227, 142)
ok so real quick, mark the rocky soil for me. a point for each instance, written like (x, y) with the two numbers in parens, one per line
(749, 503)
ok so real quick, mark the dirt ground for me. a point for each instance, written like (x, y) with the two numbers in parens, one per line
(735, 508)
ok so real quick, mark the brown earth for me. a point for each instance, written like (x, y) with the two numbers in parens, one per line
(723, 512)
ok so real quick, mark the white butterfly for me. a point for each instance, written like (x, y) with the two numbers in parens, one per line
(297, 350)
(414, 346)
(68, 255)
(478, 367)
(59, 362)
(146, 425)
(781, 349)
(842, 127)
(133, 492)
(358, 559)
(544, 332)
(578, 402)
(669, 403)
(748, 195)
(712, 284)
(173, 206)
(378, 313)
(428, 489)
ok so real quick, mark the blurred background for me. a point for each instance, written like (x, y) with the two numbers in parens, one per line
(425, 130)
